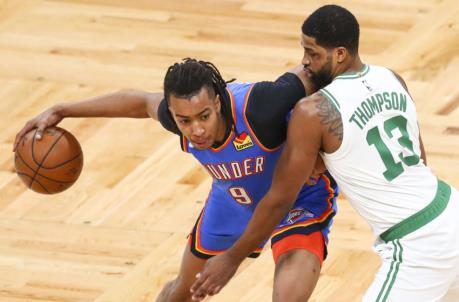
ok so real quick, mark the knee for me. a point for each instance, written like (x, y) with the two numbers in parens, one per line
(296, 275)
(300, 262)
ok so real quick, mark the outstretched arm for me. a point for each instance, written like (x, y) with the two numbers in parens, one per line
(294, 167)
(129, 103)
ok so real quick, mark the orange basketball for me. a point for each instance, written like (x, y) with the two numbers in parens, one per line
(50, 165)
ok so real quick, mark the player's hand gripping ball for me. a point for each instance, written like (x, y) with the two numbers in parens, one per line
(49, 165)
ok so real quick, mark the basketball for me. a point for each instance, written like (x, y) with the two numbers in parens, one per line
(50, 165)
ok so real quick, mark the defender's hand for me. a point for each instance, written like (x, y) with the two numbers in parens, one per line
(46, 119)
(216, 274)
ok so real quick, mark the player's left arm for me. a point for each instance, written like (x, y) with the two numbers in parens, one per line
(293, 169)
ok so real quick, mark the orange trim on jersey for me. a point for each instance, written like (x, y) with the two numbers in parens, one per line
(229, 139)
(184, 144)
(202, 249)
(223, 146)
(246, 101)
(313, 243)
(233, 107)
(231, 135)
(321, 218)
(197, 241)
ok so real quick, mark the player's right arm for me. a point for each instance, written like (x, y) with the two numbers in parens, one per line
(127, 103)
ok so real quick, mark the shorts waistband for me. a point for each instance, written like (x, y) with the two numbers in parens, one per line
(421, 218)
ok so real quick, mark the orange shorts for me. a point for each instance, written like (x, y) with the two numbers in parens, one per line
(313, 242)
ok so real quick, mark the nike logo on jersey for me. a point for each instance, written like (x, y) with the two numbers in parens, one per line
(364, 82)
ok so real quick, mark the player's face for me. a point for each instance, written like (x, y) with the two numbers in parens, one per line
(199, 118)
(317, 62)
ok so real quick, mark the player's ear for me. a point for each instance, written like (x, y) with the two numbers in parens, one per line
(341, 54)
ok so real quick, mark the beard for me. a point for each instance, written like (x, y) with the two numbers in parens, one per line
(323, 77)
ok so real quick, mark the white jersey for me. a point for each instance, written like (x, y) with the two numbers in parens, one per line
(378, 165)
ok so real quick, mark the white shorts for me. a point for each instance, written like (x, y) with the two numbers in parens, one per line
(422, 266)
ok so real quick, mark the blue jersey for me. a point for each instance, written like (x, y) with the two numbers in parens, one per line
(242, 170)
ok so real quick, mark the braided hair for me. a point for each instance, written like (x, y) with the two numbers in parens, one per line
(187, 78)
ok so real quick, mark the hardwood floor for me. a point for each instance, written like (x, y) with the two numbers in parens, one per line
(118, 234)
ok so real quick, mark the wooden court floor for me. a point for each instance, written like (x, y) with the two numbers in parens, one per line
(118, 234)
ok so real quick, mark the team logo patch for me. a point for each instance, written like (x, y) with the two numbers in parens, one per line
(296, 214)
(242, 141)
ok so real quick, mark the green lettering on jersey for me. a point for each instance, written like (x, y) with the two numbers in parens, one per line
(402, 101)
(374, 105)
(387, 100)
(368, 111)
(377, 103)
(354, 119)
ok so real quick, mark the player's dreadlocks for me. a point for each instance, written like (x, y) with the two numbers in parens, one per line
(186, 79)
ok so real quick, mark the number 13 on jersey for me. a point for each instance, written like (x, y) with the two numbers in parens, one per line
(393, 168)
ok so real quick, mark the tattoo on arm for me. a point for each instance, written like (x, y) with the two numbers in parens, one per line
(329, 116)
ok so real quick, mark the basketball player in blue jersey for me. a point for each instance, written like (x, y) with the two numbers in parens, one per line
(236, 132)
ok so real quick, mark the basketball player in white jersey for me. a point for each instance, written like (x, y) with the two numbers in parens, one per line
(363, 123)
